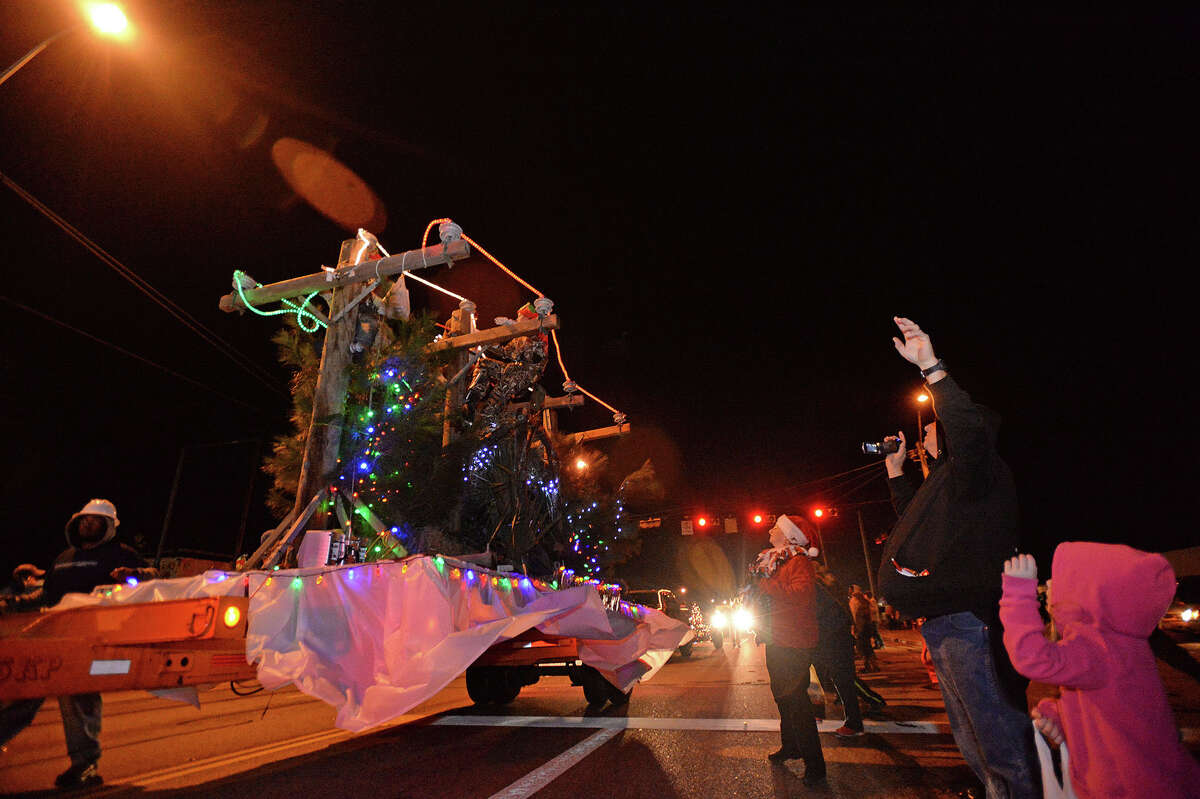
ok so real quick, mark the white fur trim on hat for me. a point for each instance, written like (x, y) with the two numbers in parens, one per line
(791, 533)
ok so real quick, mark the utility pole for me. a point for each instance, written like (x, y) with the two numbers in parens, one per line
(862, 532)
(343, 287)
(462, 323)
(329, 402)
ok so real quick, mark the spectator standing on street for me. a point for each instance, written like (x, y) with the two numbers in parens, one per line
(1106, 600)
(864, 628)
(835, 651)
(93, 558)
(942, 562)
(788, 581)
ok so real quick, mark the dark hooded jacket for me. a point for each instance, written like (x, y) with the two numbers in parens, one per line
(79, 570)
(960, 524)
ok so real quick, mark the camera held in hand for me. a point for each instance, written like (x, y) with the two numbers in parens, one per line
(886, 447)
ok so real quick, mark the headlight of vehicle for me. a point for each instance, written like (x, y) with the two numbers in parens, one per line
(743, 619)
(718, 619)
(1189, 614)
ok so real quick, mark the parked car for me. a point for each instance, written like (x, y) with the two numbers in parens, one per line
(1183, 615)
(665, 600)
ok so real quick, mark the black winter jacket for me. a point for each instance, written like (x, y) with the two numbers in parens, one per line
(960, 524)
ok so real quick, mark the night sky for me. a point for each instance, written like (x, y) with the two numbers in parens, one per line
(727, 203)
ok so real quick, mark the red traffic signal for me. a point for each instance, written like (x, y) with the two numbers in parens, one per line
(759, 518)
(818, 512)
(701, 522)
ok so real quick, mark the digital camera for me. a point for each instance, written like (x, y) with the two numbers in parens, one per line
(886, 447)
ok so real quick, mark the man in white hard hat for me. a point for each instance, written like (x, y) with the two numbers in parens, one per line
(93, 558)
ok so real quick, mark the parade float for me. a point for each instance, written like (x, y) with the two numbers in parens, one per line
(426, 527)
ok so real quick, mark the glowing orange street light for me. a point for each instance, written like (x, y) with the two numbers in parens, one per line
(683, 589)
(581, 464)
(922, 398)
(106, 18)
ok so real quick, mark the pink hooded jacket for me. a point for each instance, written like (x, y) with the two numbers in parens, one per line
(1106, 600)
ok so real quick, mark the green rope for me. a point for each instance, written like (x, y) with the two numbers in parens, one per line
(307, 321)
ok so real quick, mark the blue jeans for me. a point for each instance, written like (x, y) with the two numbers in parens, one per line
(80, 718)
(993, 734)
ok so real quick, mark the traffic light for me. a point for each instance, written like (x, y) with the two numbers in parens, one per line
(759, 518)
(701, 522)
(818, 512)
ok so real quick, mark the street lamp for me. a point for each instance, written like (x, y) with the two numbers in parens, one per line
(922, 398)
(106, 18)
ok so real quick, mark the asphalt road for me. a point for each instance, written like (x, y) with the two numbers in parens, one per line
(701, 728)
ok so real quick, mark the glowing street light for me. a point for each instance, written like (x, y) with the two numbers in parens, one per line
(106, 19)
(922, 398)
(581, 464)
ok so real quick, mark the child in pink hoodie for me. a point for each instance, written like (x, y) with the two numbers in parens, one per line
(1105, 600)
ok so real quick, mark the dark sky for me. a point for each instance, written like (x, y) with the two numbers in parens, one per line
(727, 204)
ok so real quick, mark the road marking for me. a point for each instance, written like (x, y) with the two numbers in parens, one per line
(542, 776)
(710, 725)
(313, 741)
(607, 726)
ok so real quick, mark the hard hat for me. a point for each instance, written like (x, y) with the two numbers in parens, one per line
(100, 507)
(97, 507)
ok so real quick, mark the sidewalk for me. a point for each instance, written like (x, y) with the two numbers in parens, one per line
(903, 682)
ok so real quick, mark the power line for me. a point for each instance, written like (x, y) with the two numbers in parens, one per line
(163, 301)
(126, 352)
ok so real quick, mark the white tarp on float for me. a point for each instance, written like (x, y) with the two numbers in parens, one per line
(376, 640)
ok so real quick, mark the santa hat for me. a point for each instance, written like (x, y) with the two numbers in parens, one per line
(792, 535)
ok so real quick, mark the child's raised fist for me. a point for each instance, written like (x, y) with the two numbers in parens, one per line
(1021, 566)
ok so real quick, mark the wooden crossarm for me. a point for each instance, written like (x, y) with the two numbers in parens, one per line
(357, 273)
(600, 432)
(495, 335)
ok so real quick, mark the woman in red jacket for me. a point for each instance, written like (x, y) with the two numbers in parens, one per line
(789, 583)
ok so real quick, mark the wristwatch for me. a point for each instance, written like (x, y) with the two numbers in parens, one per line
(940, 366)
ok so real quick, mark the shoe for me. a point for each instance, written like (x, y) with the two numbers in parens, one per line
(847, 732)
(782, 755)
(814, 776)
(79, 777)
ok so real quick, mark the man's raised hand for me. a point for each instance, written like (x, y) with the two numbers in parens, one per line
(915, 348)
